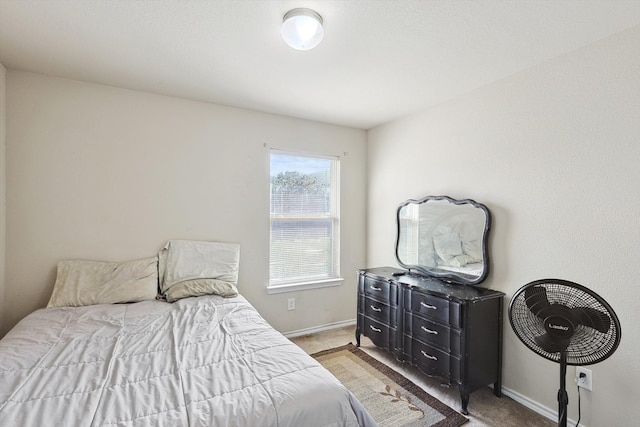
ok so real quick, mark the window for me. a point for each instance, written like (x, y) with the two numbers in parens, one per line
(304, 244)
(409, 217)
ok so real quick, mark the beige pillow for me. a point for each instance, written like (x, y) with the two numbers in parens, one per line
(83, 282)
(199, 287)
(194, 268)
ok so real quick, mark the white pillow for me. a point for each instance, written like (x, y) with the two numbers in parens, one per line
(460, 261)
(83, 282)
(473, 249)
(447, 246)
(193, 268)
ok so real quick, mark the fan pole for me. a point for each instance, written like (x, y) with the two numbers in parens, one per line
(563, 398)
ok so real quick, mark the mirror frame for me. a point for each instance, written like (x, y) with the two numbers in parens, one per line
(445, 275)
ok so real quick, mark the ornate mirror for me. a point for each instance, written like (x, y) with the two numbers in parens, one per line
(445, 238)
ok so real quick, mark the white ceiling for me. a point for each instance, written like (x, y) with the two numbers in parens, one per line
(379, 60)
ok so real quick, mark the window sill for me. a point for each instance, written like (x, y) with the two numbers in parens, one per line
(303, 286)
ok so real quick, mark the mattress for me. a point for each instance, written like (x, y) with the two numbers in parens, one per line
(204, 361)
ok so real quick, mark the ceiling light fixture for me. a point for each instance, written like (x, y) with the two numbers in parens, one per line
(302, 28)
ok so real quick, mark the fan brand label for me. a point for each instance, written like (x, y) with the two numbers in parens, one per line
(560, 327)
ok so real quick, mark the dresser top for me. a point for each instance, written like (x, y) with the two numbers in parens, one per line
(433, 285)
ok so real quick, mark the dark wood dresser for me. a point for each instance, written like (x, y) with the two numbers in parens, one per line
(450, 331)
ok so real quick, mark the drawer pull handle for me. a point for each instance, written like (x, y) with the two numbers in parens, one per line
(429, 331)
(374, 308)
(376, 288)
(375, 329)
(429, 306)
(428, 356)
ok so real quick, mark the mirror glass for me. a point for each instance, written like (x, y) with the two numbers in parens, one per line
(445, 238)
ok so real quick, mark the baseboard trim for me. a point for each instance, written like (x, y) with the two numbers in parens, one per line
(534, 406)
(321, 328)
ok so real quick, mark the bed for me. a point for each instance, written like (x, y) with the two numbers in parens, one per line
(206, 360)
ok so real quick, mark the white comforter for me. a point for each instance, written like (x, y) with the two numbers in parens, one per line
(206, 361)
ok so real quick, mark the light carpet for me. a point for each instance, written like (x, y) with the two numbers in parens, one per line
(390, 398)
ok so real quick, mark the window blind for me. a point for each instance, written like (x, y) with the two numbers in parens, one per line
(304, 217)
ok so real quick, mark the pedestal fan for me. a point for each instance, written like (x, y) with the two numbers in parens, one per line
(566, 323)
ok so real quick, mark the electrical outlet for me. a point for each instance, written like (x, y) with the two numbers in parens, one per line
(291, 304)
(584, 378)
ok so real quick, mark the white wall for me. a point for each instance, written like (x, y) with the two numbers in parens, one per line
(554, 153)
(3, 188)
(97, 172)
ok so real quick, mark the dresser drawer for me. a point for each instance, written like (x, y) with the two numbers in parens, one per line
(436, 308)
(381, 290)
(377, 310)
(432, 333)
(435, 362)
(377, 332)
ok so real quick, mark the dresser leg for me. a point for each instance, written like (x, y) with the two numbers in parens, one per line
(464, 396)
(357, 337)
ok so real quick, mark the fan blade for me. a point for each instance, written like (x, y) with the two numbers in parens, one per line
(552, 344)
(536, 299)
(592, 318)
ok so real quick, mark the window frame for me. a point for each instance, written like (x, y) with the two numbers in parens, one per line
(333, 278)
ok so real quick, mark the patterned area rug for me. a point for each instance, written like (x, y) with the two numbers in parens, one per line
(390, 398)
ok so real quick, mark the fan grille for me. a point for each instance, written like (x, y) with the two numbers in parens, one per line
(587, 345)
